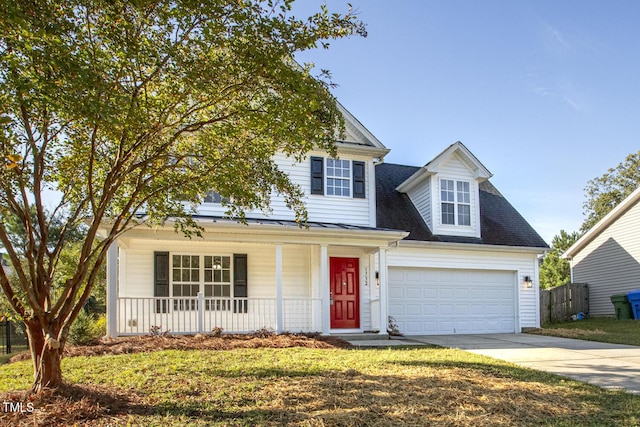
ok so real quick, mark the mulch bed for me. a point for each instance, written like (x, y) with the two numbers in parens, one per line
(147, 343)
(71, 405)
(86, 404)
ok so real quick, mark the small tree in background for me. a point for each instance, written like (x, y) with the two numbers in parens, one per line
(554, 270)
(123, 107)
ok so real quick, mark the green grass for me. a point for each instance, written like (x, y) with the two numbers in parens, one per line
(313, 387)
(603, 329)
(14, 350)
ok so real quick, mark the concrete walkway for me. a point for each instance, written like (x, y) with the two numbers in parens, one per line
(610, 366)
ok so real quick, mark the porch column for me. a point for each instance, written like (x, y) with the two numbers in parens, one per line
(382, 275)
(324, 286)
(112, 290)
(279, 317)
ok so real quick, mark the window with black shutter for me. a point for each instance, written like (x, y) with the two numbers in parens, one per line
(161, 280)
(317, 175)
(240, 283)
(358, 180)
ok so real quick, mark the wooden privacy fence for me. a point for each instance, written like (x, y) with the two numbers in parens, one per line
(560, 303)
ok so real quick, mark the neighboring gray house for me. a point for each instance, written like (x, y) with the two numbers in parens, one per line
(607, 257)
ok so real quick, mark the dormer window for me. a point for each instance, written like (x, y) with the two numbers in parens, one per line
(455, 198)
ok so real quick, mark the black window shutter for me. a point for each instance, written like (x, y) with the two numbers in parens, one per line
(358, 180)
(161, 280)
(317, 175)
(240, 282)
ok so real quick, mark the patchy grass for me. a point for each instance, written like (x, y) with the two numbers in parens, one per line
(15, 350)
(603, 329)
(312, 387)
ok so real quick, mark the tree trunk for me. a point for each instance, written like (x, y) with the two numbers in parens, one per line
(46, 356)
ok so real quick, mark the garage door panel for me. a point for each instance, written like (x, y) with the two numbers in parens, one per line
(429, 293)
(452, 301)
(397, 309)
(430, 309)
(414, 293)
(396, 275)
(414, 309)
(446, 293)
(445, 309)
(413, 276)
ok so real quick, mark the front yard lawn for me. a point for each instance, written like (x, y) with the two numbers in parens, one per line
(313, 387)
(603, 329)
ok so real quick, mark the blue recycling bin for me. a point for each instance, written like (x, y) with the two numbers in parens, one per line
(634, 301)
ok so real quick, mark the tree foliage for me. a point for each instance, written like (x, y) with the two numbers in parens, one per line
(122, 107)
(605, 192)
(554, 270)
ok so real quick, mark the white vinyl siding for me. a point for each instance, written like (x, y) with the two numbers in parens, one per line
(332, 209)
(136, 266)
(610, 263)
(421, 198)
(520, 264)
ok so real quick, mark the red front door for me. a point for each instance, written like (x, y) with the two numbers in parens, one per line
(345, 293)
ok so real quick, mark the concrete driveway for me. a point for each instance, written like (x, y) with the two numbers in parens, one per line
(610, 366)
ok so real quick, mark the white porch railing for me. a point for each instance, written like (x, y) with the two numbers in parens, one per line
(137, 316)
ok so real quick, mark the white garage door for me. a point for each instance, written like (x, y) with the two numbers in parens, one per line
(437, 302)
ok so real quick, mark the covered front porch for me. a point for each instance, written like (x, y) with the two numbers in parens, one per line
(241, 278)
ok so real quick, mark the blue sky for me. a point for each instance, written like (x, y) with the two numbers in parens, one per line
(545, 93)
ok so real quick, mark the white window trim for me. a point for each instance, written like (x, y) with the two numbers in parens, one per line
(201, 282)
(327, 177)
(456, 203)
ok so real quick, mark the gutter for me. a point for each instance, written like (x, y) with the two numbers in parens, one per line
(470, 247)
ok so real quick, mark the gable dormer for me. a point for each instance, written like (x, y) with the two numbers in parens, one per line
(446, 192)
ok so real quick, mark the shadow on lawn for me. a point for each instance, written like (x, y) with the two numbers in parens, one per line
(413, 393)
(454, 395)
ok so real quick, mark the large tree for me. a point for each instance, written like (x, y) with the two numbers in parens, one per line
(118, 107)
(605, 192)
(554, 270)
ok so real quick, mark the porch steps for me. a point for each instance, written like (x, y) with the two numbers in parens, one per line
(362, 336)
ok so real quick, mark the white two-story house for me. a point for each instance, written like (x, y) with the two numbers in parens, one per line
(438, 248)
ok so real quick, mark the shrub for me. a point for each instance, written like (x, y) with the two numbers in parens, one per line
(392, 327)
(99, 326)
(87, 329)
(156, 331)
(264, 332)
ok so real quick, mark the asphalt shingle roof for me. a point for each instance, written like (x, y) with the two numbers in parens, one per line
(500, 223)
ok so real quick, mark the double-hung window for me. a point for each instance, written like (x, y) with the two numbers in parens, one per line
(186, 281)
(455, 199)
(338, 178)
(217, 281)
(191, 273)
